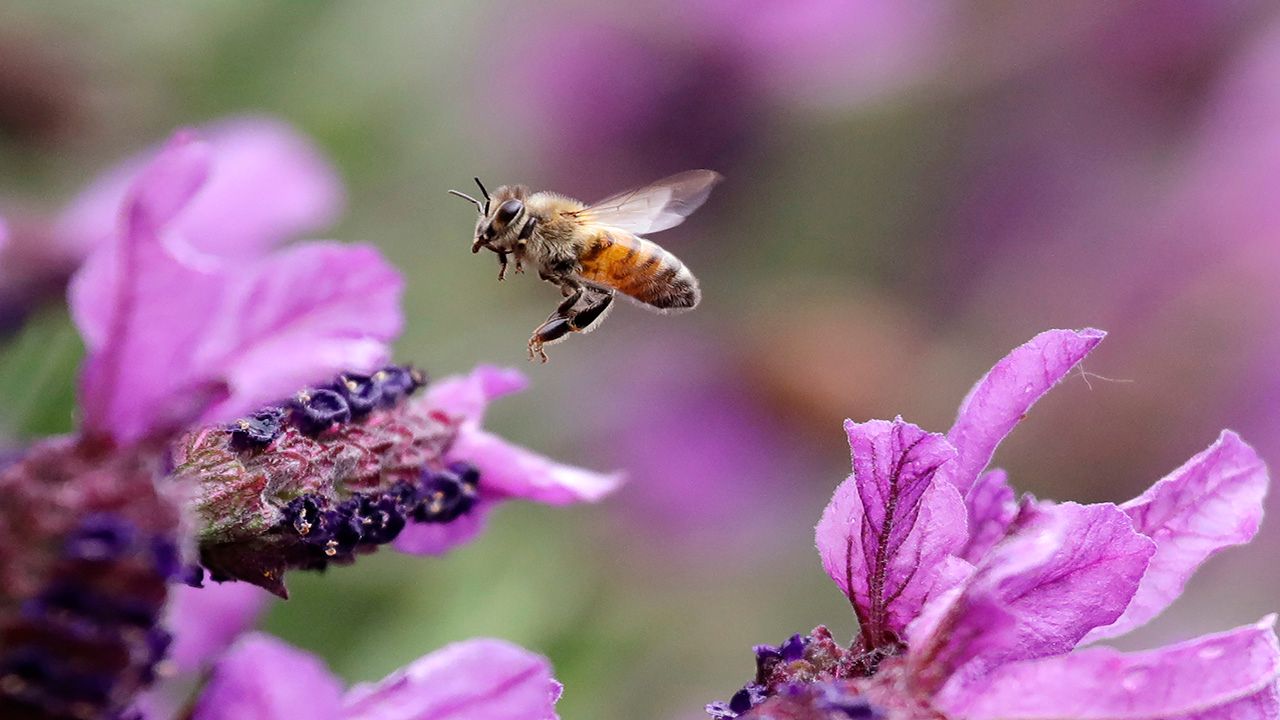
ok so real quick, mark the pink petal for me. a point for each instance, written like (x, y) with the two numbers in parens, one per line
(469, 395)
(297, 317)
(473, 680)
(1229, 675)
(1212, 502)
(174, 334)
(510, 471)
(267, 183)
(888, 528)
(1002, 397)
(1070, 568)
(440, 538)
(139, 308)
(205, 621)
(262, 678)
(992, 507)
(4, 233)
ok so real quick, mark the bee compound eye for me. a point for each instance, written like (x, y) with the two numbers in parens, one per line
(508, 210)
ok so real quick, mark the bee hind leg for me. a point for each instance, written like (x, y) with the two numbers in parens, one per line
(566, 320)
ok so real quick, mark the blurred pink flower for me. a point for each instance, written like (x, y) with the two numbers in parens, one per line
(177, 334)
(832, 52)
(266, 183)
(997, 635)
(261, 678)
(605, 104)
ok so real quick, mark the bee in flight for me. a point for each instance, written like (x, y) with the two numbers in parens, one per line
(592, 252)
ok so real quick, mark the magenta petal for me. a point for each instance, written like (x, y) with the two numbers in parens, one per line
(473, 680)
(1229, 675)
(1002, 397)
(266, 183)
(140, 308)
(297, 317)
(1212, 502)
(469, 395)
(440, 538)
(889, 527)
(262, 678)
(992, 507)
(510, 471)
(171, 331)
(1087, 580)
(205, 621)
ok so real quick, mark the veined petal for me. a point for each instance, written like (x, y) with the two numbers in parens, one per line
(889, 527)
(1212, 502)
(473, 680)
(1227, 676)
(992, 507)
(297, 316)
(266, 183)
(1068, 569)
(1004, 395)
(262, 678)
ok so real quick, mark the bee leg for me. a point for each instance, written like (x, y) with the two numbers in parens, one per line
(571, 298)
(550, 331)
(582, 320)
(502, 265)
(522, 242)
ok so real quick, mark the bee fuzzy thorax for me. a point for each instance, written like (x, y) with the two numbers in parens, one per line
(592, 252)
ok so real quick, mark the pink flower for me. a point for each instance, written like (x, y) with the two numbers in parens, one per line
(971, 604)
(261, 678)
(177, 334)
(266, 184)
(182, 330)
(508, 471)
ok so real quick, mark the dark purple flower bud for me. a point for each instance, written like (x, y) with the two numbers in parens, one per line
(767, 658)
(258, 430)
(314, 411)
(446, 496)
(396, 382)
(793, 648)
(361, 392)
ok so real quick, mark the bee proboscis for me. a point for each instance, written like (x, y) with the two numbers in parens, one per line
(592, 252)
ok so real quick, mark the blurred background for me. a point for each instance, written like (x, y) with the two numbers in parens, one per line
(912, 190)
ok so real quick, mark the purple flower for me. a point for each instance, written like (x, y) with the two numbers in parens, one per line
(181, 332)
(973, 604)
(266, 183)
(261, 678)
(509, 471)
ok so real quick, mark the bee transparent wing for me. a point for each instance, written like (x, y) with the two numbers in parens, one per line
(661, 205)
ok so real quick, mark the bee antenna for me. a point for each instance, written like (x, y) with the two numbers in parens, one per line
(468, 198)
(484, 192)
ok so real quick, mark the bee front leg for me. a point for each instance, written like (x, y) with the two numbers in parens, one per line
(522, 242)
(502, 265)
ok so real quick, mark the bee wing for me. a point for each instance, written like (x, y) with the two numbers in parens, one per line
(658, 206)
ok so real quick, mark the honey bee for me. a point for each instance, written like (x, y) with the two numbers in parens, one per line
(592, 252)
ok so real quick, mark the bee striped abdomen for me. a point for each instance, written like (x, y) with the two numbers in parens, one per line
(639, 269)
